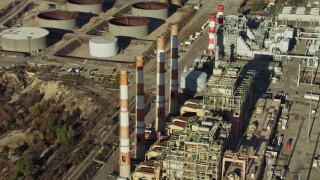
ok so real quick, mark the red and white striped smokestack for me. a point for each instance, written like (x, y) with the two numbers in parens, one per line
(160, 98)
(140, 137)
(174, 99)
(124, 127)
(212, 33)
(220, 14)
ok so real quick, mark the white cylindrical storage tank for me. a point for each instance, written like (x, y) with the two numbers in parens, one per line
(157, 10)
(85, 6)
(24, 39)
(129, 26)
(65, 20)
(103, 46)
(193, 81)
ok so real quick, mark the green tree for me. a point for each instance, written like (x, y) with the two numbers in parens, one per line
(257, 6)
(117, 77)
(62, 132)
(23, 167)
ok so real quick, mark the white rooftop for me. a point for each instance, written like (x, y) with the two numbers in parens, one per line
(301, 10)
(286, 10)
(103, 40)
(21, 33)
(314, 11)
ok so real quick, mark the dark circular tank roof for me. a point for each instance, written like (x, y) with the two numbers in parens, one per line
(129, 21)
(58, 15)
(85, 2)
(150, 5)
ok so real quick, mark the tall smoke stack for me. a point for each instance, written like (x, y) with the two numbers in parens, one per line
(140, 137)
(124, 127)
(212, 33)
(160, 99)
(174, 95)
(220, 14)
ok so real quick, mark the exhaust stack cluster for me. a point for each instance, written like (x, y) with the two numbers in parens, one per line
(160, 101)
(174, 96)
(212, 33)
(124, 127)
(140, 137)
(160, 98)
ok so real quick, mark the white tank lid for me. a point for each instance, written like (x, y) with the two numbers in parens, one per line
(24, 33)
(103, 40)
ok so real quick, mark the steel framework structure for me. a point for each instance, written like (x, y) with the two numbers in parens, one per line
(195, 154)
(228, 92)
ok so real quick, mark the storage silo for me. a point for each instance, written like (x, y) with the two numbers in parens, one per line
(157, 10)
(65, 20)
(24, 39)
(103, 46)
(129, 26)
(193, 81)
(85, 6)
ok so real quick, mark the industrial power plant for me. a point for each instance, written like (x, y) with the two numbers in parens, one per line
(160, 90)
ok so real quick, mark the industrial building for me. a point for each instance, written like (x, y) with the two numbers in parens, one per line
(299, 17)
(196, 140)
(193, 152)
(248, 161)
(196, 144)
(229, 91)
(240, 41)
